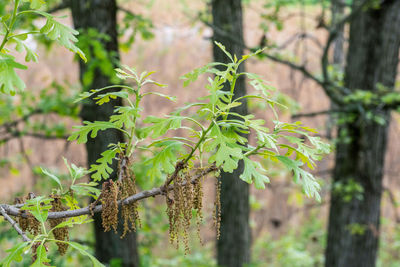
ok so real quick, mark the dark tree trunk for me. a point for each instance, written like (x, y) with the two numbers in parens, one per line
(372, 59)
(337, 10)
(233, 246)
(101, 15)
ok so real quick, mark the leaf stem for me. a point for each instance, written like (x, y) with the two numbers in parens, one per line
(9, 28)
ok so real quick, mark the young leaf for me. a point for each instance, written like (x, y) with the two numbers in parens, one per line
(86, 189)
(251, 173)
(82, 132)
(39, 207)
(125, 116)
(15, 254)
(222, 47)
(30, 54)
(161, 125)
(228, 151)
(164, 159)
(300, 176)
(227, 157)
(105, 98)
(83, 251)
(41, 257)
(103, 170)
(62, 33)
(9, 80)
(35, 4)
(53, 177)
(194, 74)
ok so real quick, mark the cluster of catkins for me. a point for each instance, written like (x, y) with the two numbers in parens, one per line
(185, 197)
(28, 223)
(112, 192)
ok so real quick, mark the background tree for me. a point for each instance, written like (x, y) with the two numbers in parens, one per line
(371, 68)
(233, 245)
(100, 16)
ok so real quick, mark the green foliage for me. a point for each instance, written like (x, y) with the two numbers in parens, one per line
(9, 80)
(15, 254)
(98, 58)
(215, 133)
(39, 207)
(102, 170)
(132, 25)
(64, 35)
(54, 30)
(348, 190)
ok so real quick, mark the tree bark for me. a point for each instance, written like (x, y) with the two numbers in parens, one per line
(101, 15)
(372, 59)
(233, 245)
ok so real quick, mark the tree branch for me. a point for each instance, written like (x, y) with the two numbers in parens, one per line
(14, 210)
(316, 113)
(14, 224)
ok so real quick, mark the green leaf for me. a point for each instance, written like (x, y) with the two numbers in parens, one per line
(125, 116)
(105, 98)
(75, 171)
(15, 254)
(264, 138)
(82, 132)
(62, 33)
(164, 159)
(30, 54)
(9, 80)
(41, 257)
(35, 4)
(251, 173)
(83, 251)
(228, 153)
(102, 170)
(194, 74)
(171, 98)
(222, 47)
(161, 125)
(39, 207)
(227, 157)
(53, 177)
(86, 189)
(310, 186)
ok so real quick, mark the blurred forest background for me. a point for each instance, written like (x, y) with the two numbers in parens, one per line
(173, 37)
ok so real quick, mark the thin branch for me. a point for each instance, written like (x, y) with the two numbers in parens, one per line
(15, 211)
(333, 32)
(63, 5)
(14, 225)
(316, 113)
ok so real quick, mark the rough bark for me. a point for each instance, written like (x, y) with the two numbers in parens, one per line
(101, 15)
(372, 59)
(233, 246)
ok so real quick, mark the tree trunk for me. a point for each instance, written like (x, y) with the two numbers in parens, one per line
(233, 246)
(101, 15)
(372, 59)
(337, 11)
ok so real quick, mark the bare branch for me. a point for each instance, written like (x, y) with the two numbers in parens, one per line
(316, 113)
(14, 224)
(15, 211)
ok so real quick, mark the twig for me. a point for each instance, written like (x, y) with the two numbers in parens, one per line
(15, 211)
(14, 224)
(316, 113)
(64, 4)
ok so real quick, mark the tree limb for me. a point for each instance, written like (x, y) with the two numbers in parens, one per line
(14, 210)
(14, 224)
